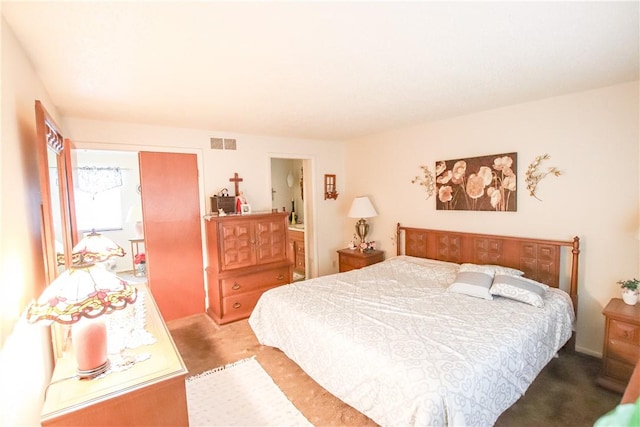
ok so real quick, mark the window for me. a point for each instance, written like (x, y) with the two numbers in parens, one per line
(98, 199)
(102, 211)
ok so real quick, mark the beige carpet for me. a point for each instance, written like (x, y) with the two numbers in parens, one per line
(564, 394)
(205, 345)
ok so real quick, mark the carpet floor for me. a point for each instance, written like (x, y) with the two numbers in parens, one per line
(564, 394)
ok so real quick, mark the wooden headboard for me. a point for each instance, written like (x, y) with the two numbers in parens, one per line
(538, 258)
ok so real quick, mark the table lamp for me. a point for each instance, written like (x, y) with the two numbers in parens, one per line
(79, 296)
(135, 215)
(95, 247)
(362, 208)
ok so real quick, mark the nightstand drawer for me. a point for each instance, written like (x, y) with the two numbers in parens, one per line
(347, 261)
(617, 370)
(623, 351)
(353, 259)
(623, 331)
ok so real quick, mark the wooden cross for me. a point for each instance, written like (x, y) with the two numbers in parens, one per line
(236, 181)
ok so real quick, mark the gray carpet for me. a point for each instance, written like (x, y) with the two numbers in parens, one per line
(564, 394)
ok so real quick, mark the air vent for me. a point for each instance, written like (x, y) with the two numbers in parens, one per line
(217, 144)
(223, 143)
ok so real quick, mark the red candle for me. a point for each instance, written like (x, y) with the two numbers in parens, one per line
(89, 338)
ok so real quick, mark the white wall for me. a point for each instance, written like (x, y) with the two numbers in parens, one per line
(592, 137)
(25, 364)
(251, 160)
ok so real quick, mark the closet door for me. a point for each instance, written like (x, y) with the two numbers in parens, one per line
(172, 232)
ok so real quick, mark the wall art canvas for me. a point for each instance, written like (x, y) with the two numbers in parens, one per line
(486, 183)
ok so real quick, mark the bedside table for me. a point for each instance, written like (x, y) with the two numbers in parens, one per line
(351, 259)
(621, 349)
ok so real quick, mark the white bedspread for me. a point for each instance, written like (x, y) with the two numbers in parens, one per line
(390, 341)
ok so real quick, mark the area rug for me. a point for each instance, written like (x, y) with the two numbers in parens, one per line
(239, 394)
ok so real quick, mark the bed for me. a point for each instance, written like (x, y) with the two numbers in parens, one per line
(413, 340)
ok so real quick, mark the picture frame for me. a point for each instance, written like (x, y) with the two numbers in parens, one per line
(245, 209)
(485, 183)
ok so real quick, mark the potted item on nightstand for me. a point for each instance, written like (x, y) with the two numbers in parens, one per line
(629, 291)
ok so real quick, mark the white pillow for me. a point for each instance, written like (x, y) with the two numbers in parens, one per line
(473, 283)
(519, 289)
(507, 271)
(487, 269)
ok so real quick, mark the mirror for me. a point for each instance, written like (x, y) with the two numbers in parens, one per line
(56, 228)
(56, 210)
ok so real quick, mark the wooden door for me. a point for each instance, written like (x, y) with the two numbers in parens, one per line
(172, 232)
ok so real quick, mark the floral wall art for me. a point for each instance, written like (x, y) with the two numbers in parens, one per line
(486, 183)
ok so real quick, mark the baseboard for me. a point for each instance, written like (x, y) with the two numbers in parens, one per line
(589, 352)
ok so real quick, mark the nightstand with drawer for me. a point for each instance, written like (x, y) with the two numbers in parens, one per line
(351, 259)
(621, 349)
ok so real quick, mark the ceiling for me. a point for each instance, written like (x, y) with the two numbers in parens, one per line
(318, 70)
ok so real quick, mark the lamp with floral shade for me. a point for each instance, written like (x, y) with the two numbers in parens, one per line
(80, 296)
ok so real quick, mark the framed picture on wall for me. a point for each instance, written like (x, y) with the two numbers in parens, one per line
(245, 209)
(486, 183)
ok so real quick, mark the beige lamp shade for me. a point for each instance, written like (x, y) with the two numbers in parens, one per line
(362, 208)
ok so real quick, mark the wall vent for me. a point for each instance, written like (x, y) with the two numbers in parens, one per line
(217, 144)
(223, 143)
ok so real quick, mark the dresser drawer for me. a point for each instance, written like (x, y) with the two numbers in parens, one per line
(239, 306)
(623, 331)
(249, 282)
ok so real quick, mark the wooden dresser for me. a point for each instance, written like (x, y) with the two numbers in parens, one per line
(296, 249)
(247, 255)
(621, 349)
(150, 393)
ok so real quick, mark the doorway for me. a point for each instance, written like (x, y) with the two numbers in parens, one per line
(291, 190)
(145, 183)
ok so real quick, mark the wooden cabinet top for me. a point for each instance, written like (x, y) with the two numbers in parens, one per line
(67, 394)
(617, 309)
(232, 217)
(357, 254)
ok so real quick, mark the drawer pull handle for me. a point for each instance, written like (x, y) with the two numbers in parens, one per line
(237, 305)
(235, 286)
(280, 277)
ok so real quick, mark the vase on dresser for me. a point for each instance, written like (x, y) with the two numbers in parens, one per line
(630, 297)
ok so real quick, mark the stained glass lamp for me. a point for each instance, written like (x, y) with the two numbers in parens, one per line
(79, 297)
(95, 247)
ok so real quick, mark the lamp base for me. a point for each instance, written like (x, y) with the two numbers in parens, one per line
(362, 229)
(92, 373)
(89, 338)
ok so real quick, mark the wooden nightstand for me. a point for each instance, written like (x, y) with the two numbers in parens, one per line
(621, 344)
(351, 259)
